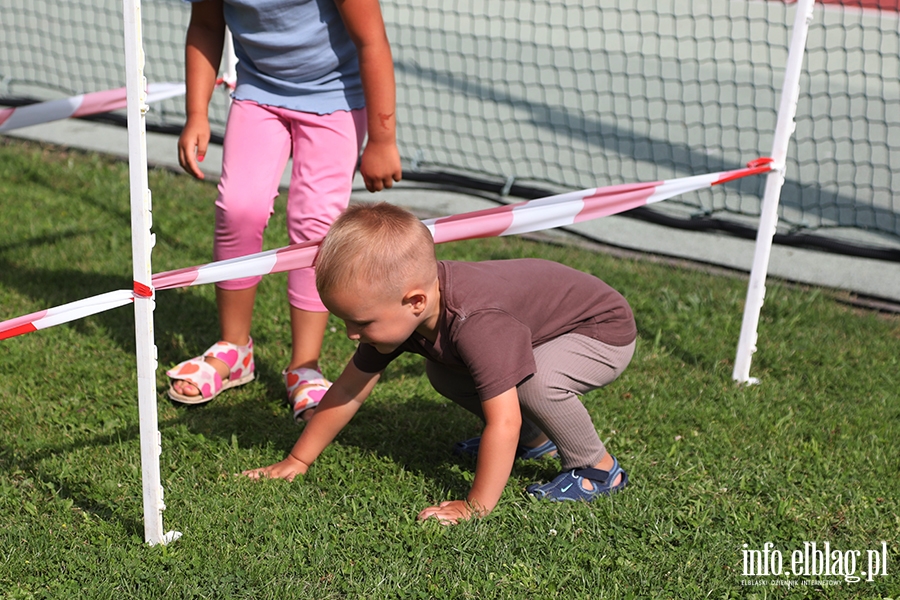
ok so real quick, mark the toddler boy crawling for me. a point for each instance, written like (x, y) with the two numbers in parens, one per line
(515, 342)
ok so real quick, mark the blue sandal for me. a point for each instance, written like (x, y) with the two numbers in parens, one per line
(568, 485)
(470, 448)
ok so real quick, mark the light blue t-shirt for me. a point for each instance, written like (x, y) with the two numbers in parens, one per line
(295, 54)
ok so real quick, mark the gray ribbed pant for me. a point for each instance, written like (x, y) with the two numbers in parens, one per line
(567, 367)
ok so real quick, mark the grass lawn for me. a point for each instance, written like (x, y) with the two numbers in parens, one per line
(809, 456)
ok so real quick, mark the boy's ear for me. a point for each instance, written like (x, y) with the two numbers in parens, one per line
(416, 299)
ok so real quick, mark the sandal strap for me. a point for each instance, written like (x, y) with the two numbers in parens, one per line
(238, 358)
(200, 374)
(204, 376)
(305, 389)
(599, 475)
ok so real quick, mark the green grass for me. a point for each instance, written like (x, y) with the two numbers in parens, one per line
(811, 454)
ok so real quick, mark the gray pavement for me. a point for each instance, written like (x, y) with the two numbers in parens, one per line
(867, 278)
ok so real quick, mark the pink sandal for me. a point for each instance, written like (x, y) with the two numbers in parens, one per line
(305, 388)
(204, 376)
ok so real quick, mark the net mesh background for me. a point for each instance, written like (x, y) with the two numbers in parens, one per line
(573, 95)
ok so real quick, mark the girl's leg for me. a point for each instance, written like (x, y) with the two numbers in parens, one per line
(307, 332)
(568, 367)
(326, 150)
(235, 315)
(255, 150)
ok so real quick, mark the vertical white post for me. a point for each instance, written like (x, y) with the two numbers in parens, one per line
(141, 245)
(768, 220)
(229, 73)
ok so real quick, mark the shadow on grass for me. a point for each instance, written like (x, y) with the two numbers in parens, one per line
(400, 370)
(50, 288)
(416, 433)
(83, 493)
(43, 240)
(183, 321)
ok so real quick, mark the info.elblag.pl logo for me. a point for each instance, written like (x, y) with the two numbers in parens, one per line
(813, 564)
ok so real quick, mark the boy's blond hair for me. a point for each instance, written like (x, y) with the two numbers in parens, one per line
(376, 248)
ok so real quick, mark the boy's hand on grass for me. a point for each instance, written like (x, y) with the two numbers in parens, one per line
(286, 469)
(449, 512)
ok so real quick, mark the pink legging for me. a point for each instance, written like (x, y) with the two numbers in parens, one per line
(258, 141)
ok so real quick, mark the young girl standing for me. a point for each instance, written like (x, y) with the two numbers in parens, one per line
(313, 78)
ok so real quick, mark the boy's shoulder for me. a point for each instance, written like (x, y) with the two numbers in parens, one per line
(505, 264)
(502, 272)
(510, 282)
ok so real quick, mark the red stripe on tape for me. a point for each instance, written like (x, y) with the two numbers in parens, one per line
(742, 173)
(142, 290)
(26, 328)
(5, 113)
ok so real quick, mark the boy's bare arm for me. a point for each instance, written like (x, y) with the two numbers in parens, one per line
(338, 406)
(496, 454)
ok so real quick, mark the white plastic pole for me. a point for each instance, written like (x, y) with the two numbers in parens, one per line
(768, 220)
(229, 73)
(141, 245)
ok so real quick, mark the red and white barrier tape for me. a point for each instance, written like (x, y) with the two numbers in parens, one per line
(512, 219)
(80, 106)
(231, 84)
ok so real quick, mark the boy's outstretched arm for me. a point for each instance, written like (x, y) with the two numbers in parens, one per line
(338, 406)
(496, 454)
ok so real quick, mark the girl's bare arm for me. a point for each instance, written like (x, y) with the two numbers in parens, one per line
(202, 56)
(380, 164)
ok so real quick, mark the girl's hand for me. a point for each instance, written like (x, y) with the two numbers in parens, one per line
(380, 165)
(286, 469)
(450, 512)
(192, 145)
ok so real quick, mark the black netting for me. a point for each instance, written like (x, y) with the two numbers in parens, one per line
(561, 95)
